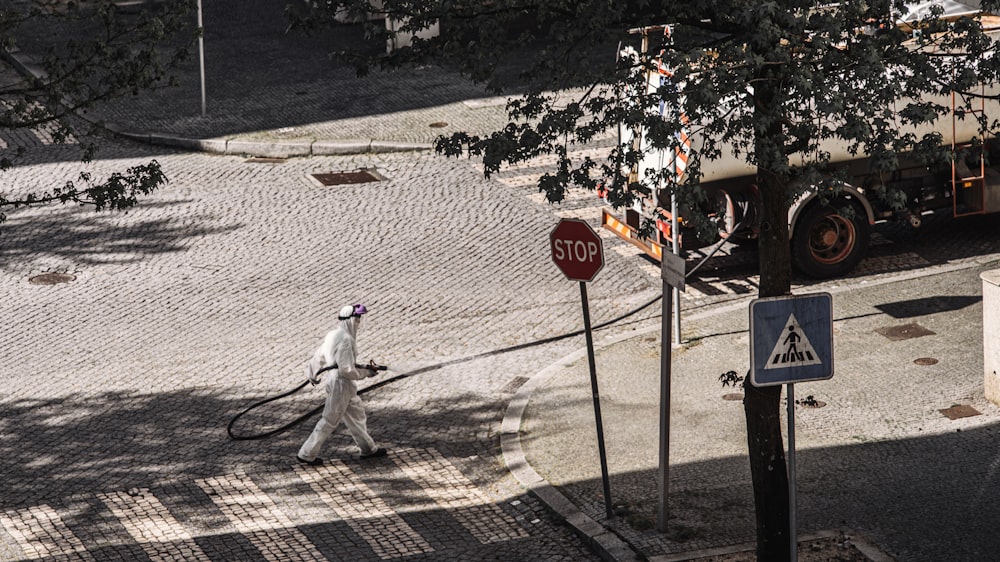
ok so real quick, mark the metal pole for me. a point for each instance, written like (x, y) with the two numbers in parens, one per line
(597, 400)
(676, 292)
(792, 531)
(201, 57)
(665, 349)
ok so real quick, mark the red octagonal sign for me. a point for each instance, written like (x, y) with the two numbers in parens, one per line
(576, 250)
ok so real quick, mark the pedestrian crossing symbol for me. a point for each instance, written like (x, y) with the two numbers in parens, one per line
(791, 339)
(793, 349)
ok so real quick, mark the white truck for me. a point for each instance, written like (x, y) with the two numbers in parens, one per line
(828, 240)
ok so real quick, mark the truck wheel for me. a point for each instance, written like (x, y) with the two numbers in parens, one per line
(829, 240)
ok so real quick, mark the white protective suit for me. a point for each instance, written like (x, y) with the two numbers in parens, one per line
(339, 347)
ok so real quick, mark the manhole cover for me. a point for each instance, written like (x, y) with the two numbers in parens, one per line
(733, 396)
(347, 178)
(51, 278)
(925, 361)
(810, 402)
(439, 125)
(959, 411)
(905, 331)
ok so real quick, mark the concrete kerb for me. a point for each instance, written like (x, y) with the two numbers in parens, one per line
(23, 63)
(604, 542)
(26, 66)
(270, 149)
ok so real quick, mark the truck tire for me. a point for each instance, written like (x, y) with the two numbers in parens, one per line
(830, 239)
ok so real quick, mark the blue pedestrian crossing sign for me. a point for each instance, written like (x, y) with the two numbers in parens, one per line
(791, 339)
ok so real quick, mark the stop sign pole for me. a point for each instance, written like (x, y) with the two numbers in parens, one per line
(577, 252)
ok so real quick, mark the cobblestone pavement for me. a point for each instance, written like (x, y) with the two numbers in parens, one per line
(210, 295)
(182, 312)
(207, 297)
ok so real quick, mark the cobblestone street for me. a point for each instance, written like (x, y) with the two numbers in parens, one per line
(133, 339)
(211, 295)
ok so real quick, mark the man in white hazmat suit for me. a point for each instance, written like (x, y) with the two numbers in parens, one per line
(339, 348)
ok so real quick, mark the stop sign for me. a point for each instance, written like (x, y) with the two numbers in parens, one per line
(576, 250)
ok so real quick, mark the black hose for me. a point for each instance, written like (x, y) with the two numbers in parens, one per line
(390, 380)
(711, 253)
(275, 431)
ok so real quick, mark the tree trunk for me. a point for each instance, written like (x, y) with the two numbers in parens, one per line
(767, 468)
(762, 405)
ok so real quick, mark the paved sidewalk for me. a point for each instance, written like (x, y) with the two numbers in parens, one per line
(878, 458)
(275, 93)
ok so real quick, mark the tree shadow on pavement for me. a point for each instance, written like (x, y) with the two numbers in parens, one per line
(928, 305)
(259, 76)
(86, 237)
(68, 455)
(927, 498)
(115, 441)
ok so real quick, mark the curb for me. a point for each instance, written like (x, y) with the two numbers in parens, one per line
(270, 149)
(604, 542)
(26, 66)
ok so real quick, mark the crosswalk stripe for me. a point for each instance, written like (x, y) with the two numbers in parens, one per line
(40, 533)
(43, 132)
(456, 494)
(589, 214)
(739, 287)
(574, 194)
(695, 288)
(147, 520)
(598, 154)
(519, 181)
(527, 173)
(258, 518)
(42, 135)
(364, 511)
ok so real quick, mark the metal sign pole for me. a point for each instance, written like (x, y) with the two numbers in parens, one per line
(672, 273)
(791, 340)
(597, 400)
(665, 350)
(201, 57)
(792, 530)
(676, 293)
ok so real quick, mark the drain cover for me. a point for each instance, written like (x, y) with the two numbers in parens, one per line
(959, 411)
(51, 278)
(347, 178)
(439, 125)
(925, 361)
(904, 332)
(514, 384)
(265, 160)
